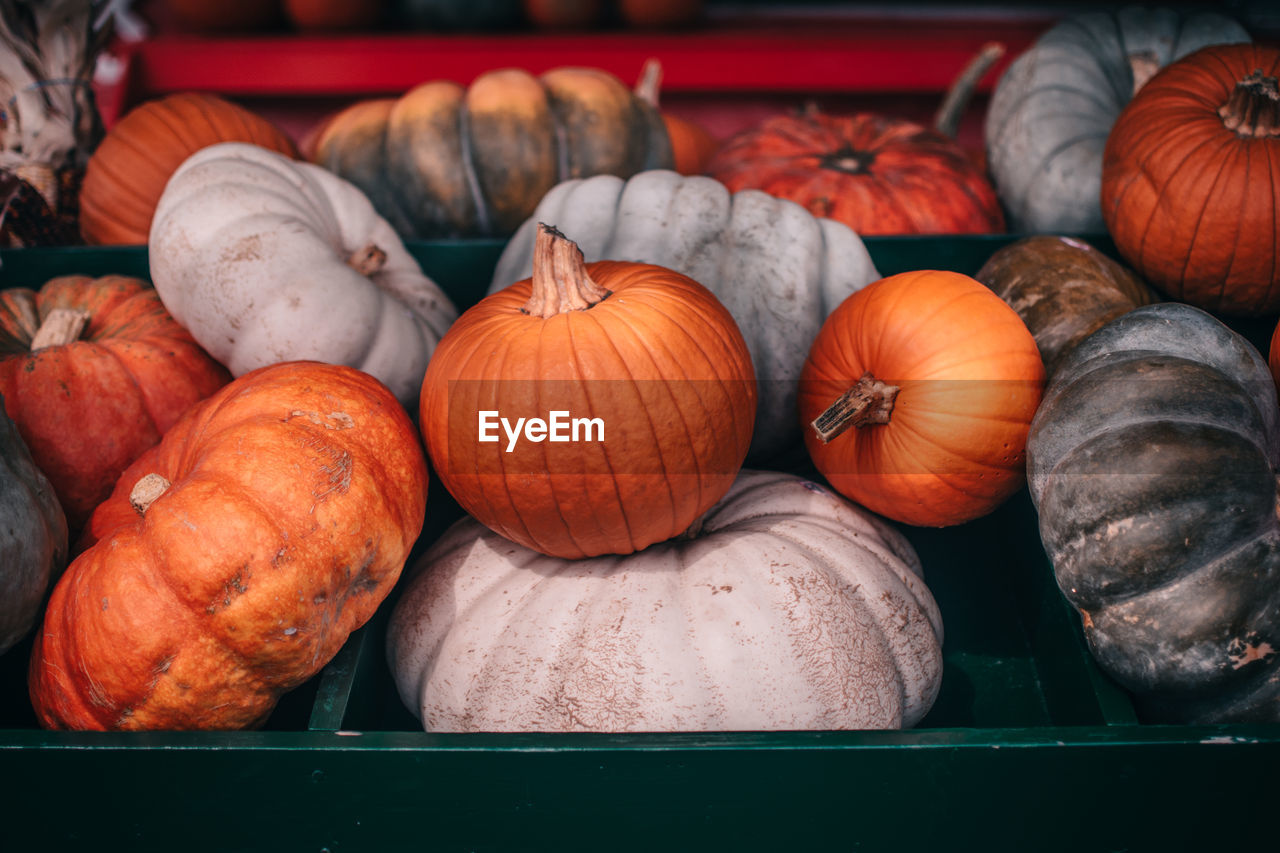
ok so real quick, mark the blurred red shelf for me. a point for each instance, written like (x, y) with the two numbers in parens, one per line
(828, 56)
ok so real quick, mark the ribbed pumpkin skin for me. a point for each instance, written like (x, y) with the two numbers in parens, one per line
(660, 361)
(33, 536)
(89, 408)
(1063, 289)
(790, 609)
(127, 173)
(875, 174)
(1152, 463)
(446, 160)
(970, 377)
(779, 270)
(1193, 205)
(1054, 106)
(297, 492)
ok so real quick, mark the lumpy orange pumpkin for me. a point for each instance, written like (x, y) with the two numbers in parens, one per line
(648, 352)
(234, 558)
(90, 397)
(917, 397)
(127, 174)
(1191, 179)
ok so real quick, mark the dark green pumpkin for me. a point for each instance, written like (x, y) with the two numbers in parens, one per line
(447, 161)
(33, 536)
(1152, 462)
(1063, 289)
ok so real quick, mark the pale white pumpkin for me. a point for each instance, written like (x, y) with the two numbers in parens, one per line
(1054, 106)
(777, 268)
(790, 608)
(33, 536)
(266, 259)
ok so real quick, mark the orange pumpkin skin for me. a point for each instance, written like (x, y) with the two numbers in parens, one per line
(970, 379)
(875, 174)
(1192, 204)
(692, 145)
(295, 495)
(127, 173)
(660, 361)
(89, 408)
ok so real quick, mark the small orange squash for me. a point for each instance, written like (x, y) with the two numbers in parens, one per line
(692, 145)
(917, 397)
(93, 371)
(127, 173)
(646, 352)
(234, 558)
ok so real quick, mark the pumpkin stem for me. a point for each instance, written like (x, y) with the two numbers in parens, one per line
(560, 280)
(61, 327)
(146, 490)
(947, 119)
(868, 402)
(650, 82)
(367, 260)
(1254, 106)
(1144, 66)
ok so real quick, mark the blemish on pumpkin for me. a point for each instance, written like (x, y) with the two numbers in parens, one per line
(1248, 651)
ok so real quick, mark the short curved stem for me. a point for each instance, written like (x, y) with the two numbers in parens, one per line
(146, 491)
(367, 260)
(62, 326)
(868, 402)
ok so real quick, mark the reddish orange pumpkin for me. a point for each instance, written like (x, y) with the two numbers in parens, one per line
(233, 559)
(923, 386)
(877, 175)
(648, 352)
(692, 145)
(88, 401)
(127, 173)
(1191, 179)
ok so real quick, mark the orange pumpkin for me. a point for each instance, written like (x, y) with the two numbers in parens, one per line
(127, 173)
(1191, 179)
(233, 559)
(917, 397)
(93, 371)
(692, 145)
(876, 174)
(656, 388)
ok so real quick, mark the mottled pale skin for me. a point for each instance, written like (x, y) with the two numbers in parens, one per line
(789, 608)
(295, 495)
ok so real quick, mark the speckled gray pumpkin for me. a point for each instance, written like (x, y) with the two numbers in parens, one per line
(790, 609)
(1055, 104)
(777, 268)
(33, 536)
(1152, 461)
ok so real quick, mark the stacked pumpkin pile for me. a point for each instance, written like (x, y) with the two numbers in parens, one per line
(620, 569)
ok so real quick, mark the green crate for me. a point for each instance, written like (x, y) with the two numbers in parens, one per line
(1029, 745)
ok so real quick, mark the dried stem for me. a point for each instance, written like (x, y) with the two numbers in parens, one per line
(868, 402)
(560, 279)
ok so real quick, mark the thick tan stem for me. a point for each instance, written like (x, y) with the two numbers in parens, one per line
(367, 260)
(868, 402)
(145, 491)
(947, 119)
(1144, 66)
(650, 82)
(1254, 106)
(61, 327)
(560, 280)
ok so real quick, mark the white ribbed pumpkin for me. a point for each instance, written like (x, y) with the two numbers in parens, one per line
(777, 268)
(790, 609)
(265, 259)
(1054, 106)
(33, 536)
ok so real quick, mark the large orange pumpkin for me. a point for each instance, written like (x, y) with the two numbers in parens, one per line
(647, 358)
(1191, 179)
(917, 397)
(233, 559)
(93, 371)
(127, 173)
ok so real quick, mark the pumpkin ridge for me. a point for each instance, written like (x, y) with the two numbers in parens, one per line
(1159, 205)
(1237, 231)
(923, 439)
(484, 222)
